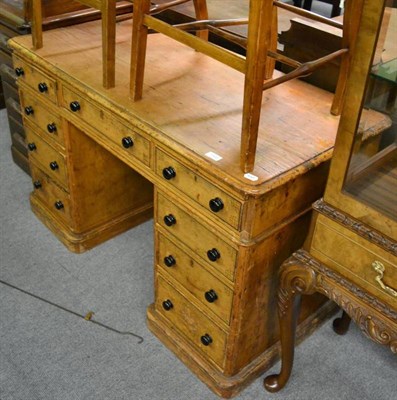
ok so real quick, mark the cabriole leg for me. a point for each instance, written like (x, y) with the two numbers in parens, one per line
(295, 279)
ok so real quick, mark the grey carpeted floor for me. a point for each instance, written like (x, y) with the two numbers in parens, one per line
(49, 353)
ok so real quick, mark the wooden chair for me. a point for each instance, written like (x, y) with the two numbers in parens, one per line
(261, 54)
(108, 10)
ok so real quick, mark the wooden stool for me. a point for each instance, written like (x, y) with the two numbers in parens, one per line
(302, 274)
(108, 10)
(261, 49)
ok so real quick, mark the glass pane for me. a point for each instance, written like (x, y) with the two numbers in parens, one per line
(372, 173)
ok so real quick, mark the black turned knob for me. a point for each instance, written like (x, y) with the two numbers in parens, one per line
(75, 106)
(37, 184)
(169, 220)
(59, 205)
(169, 173)
(167, 305)
(51, 128)
(32, 147)
(29, 110)
(169, 261)
(42, 86)
(127, 142)
(216, 204)
(211, 296)
(19, 71)
(213, 254)
(206, 339)
(54, 165)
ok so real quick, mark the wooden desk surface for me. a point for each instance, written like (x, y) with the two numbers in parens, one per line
(193, 104)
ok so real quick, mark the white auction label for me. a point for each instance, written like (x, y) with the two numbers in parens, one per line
(251, 177)
(213, 156)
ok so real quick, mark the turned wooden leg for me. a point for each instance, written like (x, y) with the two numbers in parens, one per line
(341, 324)
(295, 279)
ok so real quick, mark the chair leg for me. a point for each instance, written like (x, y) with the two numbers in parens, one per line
(295, 279)
(37, 22)
(341, 324)
(138, 49)
(271, 62)
(200, 7)
(109, 43)
(351, 21)
(259, 34)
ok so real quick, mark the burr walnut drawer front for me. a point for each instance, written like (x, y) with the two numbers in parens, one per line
(42, 84)
(190, 322)
(200, 283)
(196, 236)
(54, 198)
(51, 161)
(362, 262)
(199, 189)
(46, 118)
(129, 140)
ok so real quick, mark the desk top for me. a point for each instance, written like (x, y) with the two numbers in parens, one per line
(193, 105)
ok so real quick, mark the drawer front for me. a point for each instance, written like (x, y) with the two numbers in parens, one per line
(138, 148)
(43, 85)
(8, 75)
(45, 118)
(51, 161)
(202, 241)
(353, 257)
(216, 201)
(190, 322)
(54, 198)
(14, 110)
(205, 287)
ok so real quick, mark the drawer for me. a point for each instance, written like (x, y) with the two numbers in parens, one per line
(16, 126)
(51, 195)
(190, 322)
(18, 142)
(8, 76)
(194, 234)
(47, 119)
(4, 37)
(352, 256)
(204, 286)
(199, 189)
(129, 140)
(51, 161)
(14, 109)
(43, 85)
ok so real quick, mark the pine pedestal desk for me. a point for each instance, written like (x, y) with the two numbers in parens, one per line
(220, 236)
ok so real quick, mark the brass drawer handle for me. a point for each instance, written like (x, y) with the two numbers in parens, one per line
(380, 269)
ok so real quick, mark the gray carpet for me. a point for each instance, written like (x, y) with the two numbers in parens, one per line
(50, 353)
